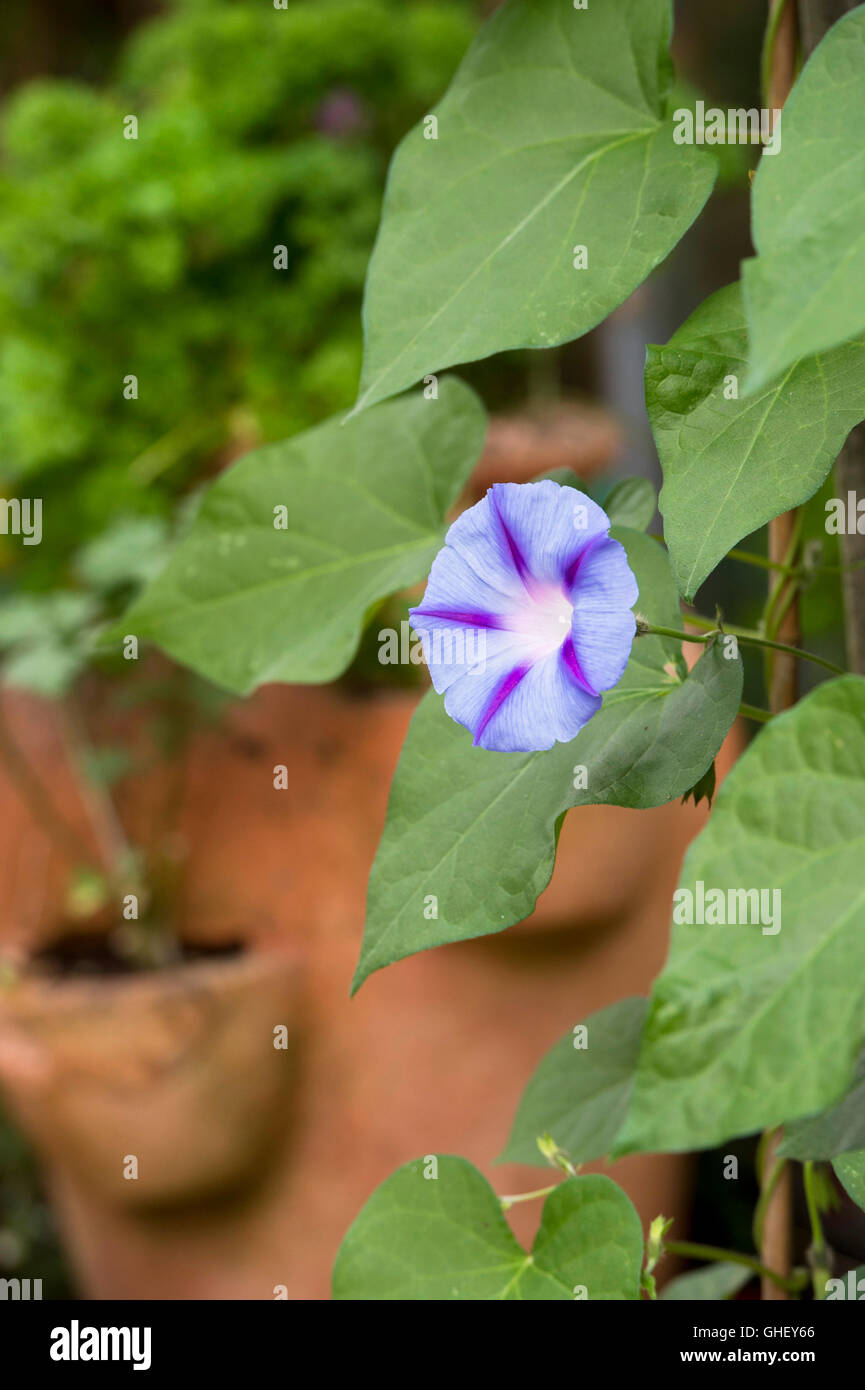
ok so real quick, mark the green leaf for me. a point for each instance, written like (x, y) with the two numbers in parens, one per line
(714, 1283)
(424, 1238)
(552, 136)
(747, 1027)
(46, 639)
(22, 618)
(243, 602)
(132, 550)
(566, 477)
(847, 1286)
(45, 668)
(851, 1171)
(734, 160)
(473, 833)
(34, 618)
(805, 289)
(833, 1131)
(632, 502)
(731, 465)
(579, 1095)
(702, 790)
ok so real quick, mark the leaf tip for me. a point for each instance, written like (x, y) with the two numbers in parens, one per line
(361, 974)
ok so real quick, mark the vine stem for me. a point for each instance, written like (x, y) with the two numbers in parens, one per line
(819, 1253)
(688, 1250)
(783, 588)
(751, 639)
(747, 557)
(759, 716)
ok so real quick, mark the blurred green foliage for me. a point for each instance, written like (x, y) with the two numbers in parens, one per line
(29, 1248)
(154, 257)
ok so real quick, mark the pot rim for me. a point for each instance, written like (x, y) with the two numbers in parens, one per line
(33, 994)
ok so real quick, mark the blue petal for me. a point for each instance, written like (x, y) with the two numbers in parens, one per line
(453, 649)
(455, 586)
(603, 626)
(479, 538)
(604, 579)
(514, 708)
(549, 526)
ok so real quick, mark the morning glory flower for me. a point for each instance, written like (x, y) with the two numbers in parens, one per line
(527, 616)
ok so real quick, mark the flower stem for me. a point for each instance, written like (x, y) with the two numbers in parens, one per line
(750, 639)
(507, 1202)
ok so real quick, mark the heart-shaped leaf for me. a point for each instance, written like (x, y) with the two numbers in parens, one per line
(833, 1131)
(580, 1092)
(759, 1013)
(434, 1231)
(851, 1170)
(714, 1284)
(295, 543)
(542, 191)
(731, 463)
(805, 289)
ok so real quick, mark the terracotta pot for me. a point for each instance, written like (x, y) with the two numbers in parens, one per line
(156, 1089)
(538, 439)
